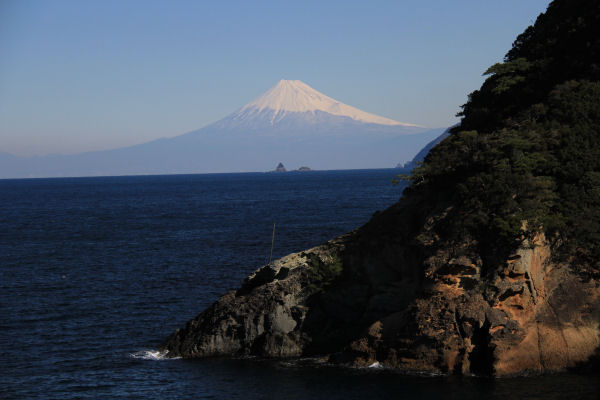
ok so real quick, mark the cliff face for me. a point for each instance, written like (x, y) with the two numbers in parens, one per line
(529, 315)
(489, 264)
(267, 316)
(416, 305)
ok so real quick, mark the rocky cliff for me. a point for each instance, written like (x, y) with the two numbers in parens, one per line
(490, 262)
(413, 304)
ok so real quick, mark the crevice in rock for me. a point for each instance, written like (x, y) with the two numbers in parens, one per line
(458, 366)
(458, 327)
(482, 356)
(509, 293)
(531, 285)
(542, 364)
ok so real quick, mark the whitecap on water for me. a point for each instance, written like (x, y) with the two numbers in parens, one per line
(376, 364)
(155, 355)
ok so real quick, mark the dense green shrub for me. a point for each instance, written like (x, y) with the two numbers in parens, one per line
(528, 146)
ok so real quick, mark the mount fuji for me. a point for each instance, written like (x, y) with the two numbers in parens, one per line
(295, 100)
(290, 123)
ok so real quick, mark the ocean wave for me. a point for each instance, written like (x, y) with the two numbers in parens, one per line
(155, 355)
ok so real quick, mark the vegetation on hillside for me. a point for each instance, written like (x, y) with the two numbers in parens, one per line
(528, 146)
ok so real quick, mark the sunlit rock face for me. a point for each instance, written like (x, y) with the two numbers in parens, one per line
(377, 295)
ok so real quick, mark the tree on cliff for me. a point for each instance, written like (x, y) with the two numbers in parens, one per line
(456, 277)
(528, 146)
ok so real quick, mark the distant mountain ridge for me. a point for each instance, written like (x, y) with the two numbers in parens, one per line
(420, 157)
(290, 122)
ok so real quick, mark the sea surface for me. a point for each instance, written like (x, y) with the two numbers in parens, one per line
(96, 272)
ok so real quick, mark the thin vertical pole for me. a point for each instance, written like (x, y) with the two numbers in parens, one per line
(272, 242)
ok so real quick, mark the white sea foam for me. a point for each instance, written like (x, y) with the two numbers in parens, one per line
(155, 355)
(376, 364)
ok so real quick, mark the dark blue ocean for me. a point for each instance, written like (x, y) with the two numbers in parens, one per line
(96, 272)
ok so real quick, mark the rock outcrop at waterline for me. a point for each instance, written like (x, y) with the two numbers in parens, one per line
(490, 262)
(267, 316)
(415, 305)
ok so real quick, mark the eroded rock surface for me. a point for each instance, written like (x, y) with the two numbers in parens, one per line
(379, 294)
(531, 315)
(265, 316)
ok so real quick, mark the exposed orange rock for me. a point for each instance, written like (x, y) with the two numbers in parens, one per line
(408, 306)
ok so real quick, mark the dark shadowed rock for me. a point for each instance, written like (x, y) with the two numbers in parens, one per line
(379, 295)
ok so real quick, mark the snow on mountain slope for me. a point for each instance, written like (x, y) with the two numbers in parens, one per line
(291, 123)
(293, 96)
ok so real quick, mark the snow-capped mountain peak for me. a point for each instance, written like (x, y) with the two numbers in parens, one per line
(293, 96)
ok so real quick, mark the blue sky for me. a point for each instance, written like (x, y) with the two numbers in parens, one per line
(86, 75)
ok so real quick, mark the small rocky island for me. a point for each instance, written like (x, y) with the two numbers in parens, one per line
(280, 168)
(488, 265)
